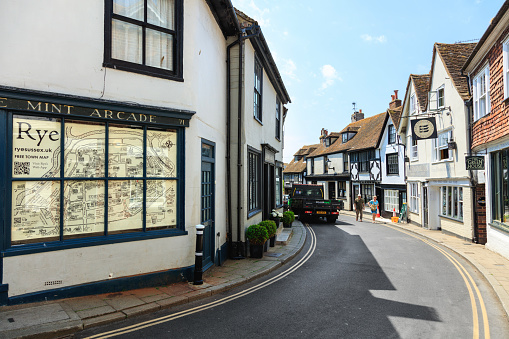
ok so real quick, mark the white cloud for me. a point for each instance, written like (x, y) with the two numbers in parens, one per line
(330, 75)
(253, 11)
(288, 68)
(369, 38)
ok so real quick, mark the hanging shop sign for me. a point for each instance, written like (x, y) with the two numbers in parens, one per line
(474, 162)
(481, 201)
(423, 129)
(55, 108)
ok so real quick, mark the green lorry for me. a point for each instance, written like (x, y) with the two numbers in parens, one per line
(307, 201)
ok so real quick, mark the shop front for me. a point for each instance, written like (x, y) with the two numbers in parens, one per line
(94, 195)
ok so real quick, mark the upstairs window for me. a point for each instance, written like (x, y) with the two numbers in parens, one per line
(412, 104)
(344, 137)
(278, 119)
(440, 97)
(392, 134)
(481, 93)
(415, 153)
(257, 99)
(144, 37)
(505, 54)
(441, 146)
(392, 164)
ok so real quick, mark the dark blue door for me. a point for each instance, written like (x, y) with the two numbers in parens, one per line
(207, 203)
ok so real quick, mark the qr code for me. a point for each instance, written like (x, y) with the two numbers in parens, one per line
(21, 168)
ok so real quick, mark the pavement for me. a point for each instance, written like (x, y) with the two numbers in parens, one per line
(59, 318)
(62, 318)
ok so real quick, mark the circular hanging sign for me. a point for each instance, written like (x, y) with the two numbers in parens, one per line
(424, 128)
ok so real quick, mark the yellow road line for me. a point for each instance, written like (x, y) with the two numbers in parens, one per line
(224, 300)
(464, 274)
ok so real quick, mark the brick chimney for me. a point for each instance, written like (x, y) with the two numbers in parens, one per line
(395, 102)
(323, 135)
(356, 116)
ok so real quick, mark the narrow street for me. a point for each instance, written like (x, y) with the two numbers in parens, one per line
(351, 280)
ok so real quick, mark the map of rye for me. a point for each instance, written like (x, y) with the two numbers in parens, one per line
(36, 155)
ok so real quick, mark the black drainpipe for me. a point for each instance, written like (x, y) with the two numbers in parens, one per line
(228, 148)
(468, 104)
(238, 251)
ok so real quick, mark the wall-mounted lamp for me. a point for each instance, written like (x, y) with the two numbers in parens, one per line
(329, 165)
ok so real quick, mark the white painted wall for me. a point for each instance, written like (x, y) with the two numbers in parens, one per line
(59, 48)
(386, 148)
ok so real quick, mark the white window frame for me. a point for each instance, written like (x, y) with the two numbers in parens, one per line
(437, 147)
(391, 200)
(453, 207)
(481, 93)
(413, 109)
(505, 54)
(414, 150)
(441, 89)
(414, 197)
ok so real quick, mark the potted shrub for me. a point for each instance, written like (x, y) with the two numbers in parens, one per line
(257, 236)
(276, 216)
(288, 218)
(270, 225)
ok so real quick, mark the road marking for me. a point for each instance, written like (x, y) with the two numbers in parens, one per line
(468, 282)
(222, 301)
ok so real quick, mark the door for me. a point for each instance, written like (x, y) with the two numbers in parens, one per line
(332, 190)
(207, 203)
(269, 195)
(425, 206)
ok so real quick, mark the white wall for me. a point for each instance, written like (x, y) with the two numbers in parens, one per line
(59, 48)
(386, 148)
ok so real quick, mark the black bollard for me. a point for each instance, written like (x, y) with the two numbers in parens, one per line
(198, 261)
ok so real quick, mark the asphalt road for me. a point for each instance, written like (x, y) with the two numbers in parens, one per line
(352, 280)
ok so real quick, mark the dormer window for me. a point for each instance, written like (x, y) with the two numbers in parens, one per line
(344, 137)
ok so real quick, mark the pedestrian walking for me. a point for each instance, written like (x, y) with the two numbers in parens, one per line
(373, 205)
(359, 206)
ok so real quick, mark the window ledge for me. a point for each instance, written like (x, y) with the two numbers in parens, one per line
(499, 226)
(259, 121)
(414, 159)
(87, 242)
(451, 218)
(441, 161)
(253, 213)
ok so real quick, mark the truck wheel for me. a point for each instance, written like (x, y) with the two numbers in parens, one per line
(331, 220)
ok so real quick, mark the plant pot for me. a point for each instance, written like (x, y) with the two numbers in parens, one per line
(266, 246)
(273, 241)
(256, 251)
(287, 225)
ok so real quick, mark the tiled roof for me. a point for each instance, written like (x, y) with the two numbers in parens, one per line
(454, 57)
(334, 134)
(307, 149)
(369, 131)
(295, 166)
(369, 134)
(395, 115)
(421, 84)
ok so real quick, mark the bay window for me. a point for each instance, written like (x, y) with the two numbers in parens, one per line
(414, 197)
(451, 202)
(391, 200)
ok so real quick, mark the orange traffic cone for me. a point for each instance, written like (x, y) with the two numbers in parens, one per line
(378, 212)
(394, 212)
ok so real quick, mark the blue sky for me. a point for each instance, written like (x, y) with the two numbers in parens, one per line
(331, 53)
